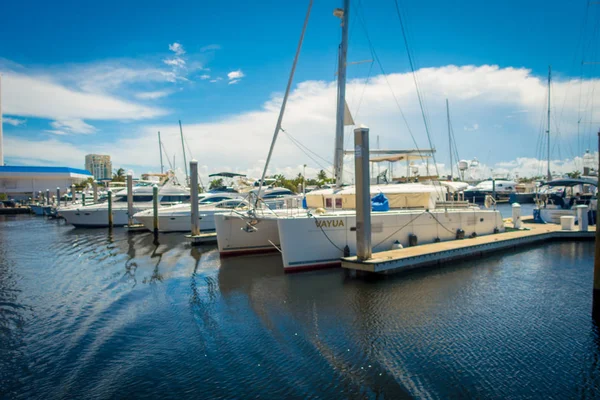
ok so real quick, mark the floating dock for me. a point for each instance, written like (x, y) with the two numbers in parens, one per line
(392, 261)
(203, 238)
(14, 210)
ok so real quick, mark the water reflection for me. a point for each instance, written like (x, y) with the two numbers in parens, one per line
(74, 322)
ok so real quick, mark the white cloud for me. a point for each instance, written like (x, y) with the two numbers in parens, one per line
(210, 47)
(56, 132)
(485, 93)
(41, 96)
(471, 128)
(152, 95)
(204, 77)
(238, 74)
(13, 121)
(177, 48)
(72, 126)
(233, 82)
(217, 79)
(175, 62)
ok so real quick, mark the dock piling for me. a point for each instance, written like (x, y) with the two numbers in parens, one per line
(110, 215)
(130, 198)
(47, 197)
(58, 197)
(155, 209)
(596, 291)
(73, 196)
(582, 217)
(95, 190)
(363, 193)
(83, 199)
(516, 215)
(194, 197)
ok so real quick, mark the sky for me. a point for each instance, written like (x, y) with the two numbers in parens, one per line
(106, 77)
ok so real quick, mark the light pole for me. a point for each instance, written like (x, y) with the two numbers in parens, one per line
(304, 180)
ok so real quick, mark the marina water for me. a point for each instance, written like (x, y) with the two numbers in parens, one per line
(93, 314)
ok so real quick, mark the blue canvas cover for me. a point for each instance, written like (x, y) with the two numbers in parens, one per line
(380, 203)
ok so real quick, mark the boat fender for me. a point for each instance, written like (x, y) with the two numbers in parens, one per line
(320, 211)
(437, 240)
(460, 234)
(474, 235)
(346, 251)
(412, 239)
(397, 245)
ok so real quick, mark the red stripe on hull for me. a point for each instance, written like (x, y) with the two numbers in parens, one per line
(233, 253)
(313, 267)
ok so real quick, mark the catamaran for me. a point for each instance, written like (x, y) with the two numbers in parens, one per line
(321, 236)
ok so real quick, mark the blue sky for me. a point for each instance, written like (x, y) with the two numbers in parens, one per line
(129, 68)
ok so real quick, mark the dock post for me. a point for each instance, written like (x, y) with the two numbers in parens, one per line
(130, 198)
(73, 196)
(582, 217)
(596, 292)
(194, 197)
(47, 197)
(83, 199)
(110, 215)
(516, 215)
(155, 209)
(95, 189)
(58, 197)
(363, 193)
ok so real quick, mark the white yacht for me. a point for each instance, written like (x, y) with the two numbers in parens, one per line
(178, 218)
(311, 239)
(96, 215)
(558, 198)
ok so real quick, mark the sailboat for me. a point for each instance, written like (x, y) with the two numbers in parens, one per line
(320, 237)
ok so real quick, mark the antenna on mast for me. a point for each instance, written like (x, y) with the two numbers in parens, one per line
(184, 159)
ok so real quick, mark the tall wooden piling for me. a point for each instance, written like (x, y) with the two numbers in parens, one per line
(194, 197)
(129, 198)
(596, 291)
(155, 209)
(110, 215)
(47, 197)
(95, 190)
(58, 197)
(363, 193)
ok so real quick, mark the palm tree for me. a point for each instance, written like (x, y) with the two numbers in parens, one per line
(119, 175)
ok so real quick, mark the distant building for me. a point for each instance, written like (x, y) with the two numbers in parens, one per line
(20, 183)
(99, 165)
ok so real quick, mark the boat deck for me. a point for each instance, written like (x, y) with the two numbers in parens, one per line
(391, 261)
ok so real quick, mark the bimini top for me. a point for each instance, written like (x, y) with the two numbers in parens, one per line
(17, 169)
(571, 182)
(226, 174)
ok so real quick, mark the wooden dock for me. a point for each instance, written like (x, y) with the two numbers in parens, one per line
(203, 238)
(391, 261)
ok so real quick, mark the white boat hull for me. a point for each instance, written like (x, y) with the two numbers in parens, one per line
(97, 217)
(552, 215)
(243, 236)
(319, 241)
(178, 222)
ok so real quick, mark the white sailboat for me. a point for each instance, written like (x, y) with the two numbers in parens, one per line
(321, 237)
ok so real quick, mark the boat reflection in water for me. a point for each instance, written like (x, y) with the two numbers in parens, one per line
(107, 315)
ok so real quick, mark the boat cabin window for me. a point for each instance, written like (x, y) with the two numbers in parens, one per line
(277, 193)
(215, 199)
(230, 204)
(328, 202)
(136, 199)
(174, 198)
(338, 203)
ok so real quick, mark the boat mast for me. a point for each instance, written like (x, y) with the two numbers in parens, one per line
(449, 137)
(548, 131)
(338, 157)
(160, 152)
(187, 180)
(284, 102)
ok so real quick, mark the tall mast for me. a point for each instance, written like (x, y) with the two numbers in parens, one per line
(548, 131)
(184, 159)
(284, 102)
(160, 152)
(449, 137)
(1, 140)
(338, 157)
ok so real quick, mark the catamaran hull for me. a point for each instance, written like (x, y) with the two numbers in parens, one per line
(317, 242)
(237, 235)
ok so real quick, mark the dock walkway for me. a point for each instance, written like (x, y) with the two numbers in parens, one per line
(391, 261)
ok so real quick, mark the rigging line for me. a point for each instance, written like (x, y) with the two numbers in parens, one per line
(309, 156)
(189, 150)
(398, 230)
(376, 57)
(168, 160)
(300, 144)
(326, 236)
(412, 67)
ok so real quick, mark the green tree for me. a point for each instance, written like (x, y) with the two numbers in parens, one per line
(574, 174)
(119, 175)
(215, 183)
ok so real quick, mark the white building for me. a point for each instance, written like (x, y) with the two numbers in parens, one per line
(20, 183)
(99, 165)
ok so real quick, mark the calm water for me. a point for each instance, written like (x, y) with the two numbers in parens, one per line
(85, 314)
